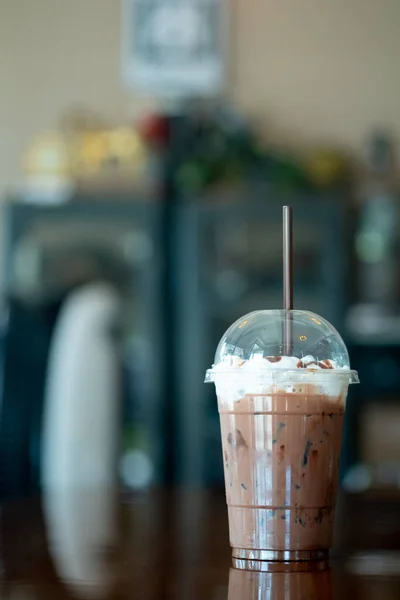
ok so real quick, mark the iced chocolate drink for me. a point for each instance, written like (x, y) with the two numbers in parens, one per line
(281, 425)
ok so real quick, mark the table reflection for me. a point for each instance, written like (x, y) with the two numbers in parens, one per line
(162, 544)
(259, 585)
(81, 529)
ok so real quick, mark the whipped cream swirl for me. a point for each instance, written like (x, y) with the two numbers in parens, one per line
(268, 363)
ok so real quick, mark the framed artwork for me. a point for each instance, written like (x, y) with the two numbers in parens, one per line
(175, 47)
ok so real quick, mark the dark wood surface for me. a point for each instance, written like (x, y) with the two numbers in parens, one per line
(174, 544)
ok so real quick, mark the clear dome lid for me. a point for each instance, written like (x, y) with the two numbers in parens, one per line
(255, 342)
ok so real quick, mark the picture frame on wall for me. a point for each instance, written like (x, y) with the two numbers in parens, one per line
(175, 47)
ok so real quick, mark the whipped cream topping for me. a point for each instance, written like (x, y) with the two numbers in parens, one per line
(268, 363)
(235, 377)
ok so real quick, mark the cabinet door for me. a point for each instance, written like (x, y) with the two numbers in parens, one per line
(49, 249)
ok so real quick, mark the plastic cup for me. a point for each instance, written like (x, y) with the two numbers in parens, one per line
(281, 425)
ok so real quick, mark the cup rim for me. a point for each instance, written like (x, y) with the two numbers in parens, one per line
(347, 374)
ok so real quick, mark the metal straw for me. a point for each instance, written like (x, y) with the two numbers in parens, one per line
(287, 215)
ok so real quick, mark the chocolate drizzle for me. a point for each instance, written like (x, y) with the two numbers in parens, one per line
(273, 359)
(322, 364)
(325, 364)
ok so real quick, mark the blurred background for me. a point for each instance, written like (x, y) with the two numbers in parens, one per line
(147, 149)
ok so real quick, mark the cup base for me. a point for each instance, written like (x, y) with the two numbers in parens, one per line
(280, 560)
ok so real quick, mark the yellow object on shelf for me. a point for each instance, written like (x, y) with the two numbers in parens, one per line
(91, 152)
(126, 144)
(47, 170)
(325, 168)
(85, 159)
(48, 155)
(117, 150)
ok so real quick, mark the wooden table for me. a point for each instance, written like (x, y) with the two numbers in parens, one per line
(103, 545)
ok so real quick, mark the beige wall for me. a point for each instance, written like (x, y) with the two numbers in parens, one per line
(313, 70)
(319, 69)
